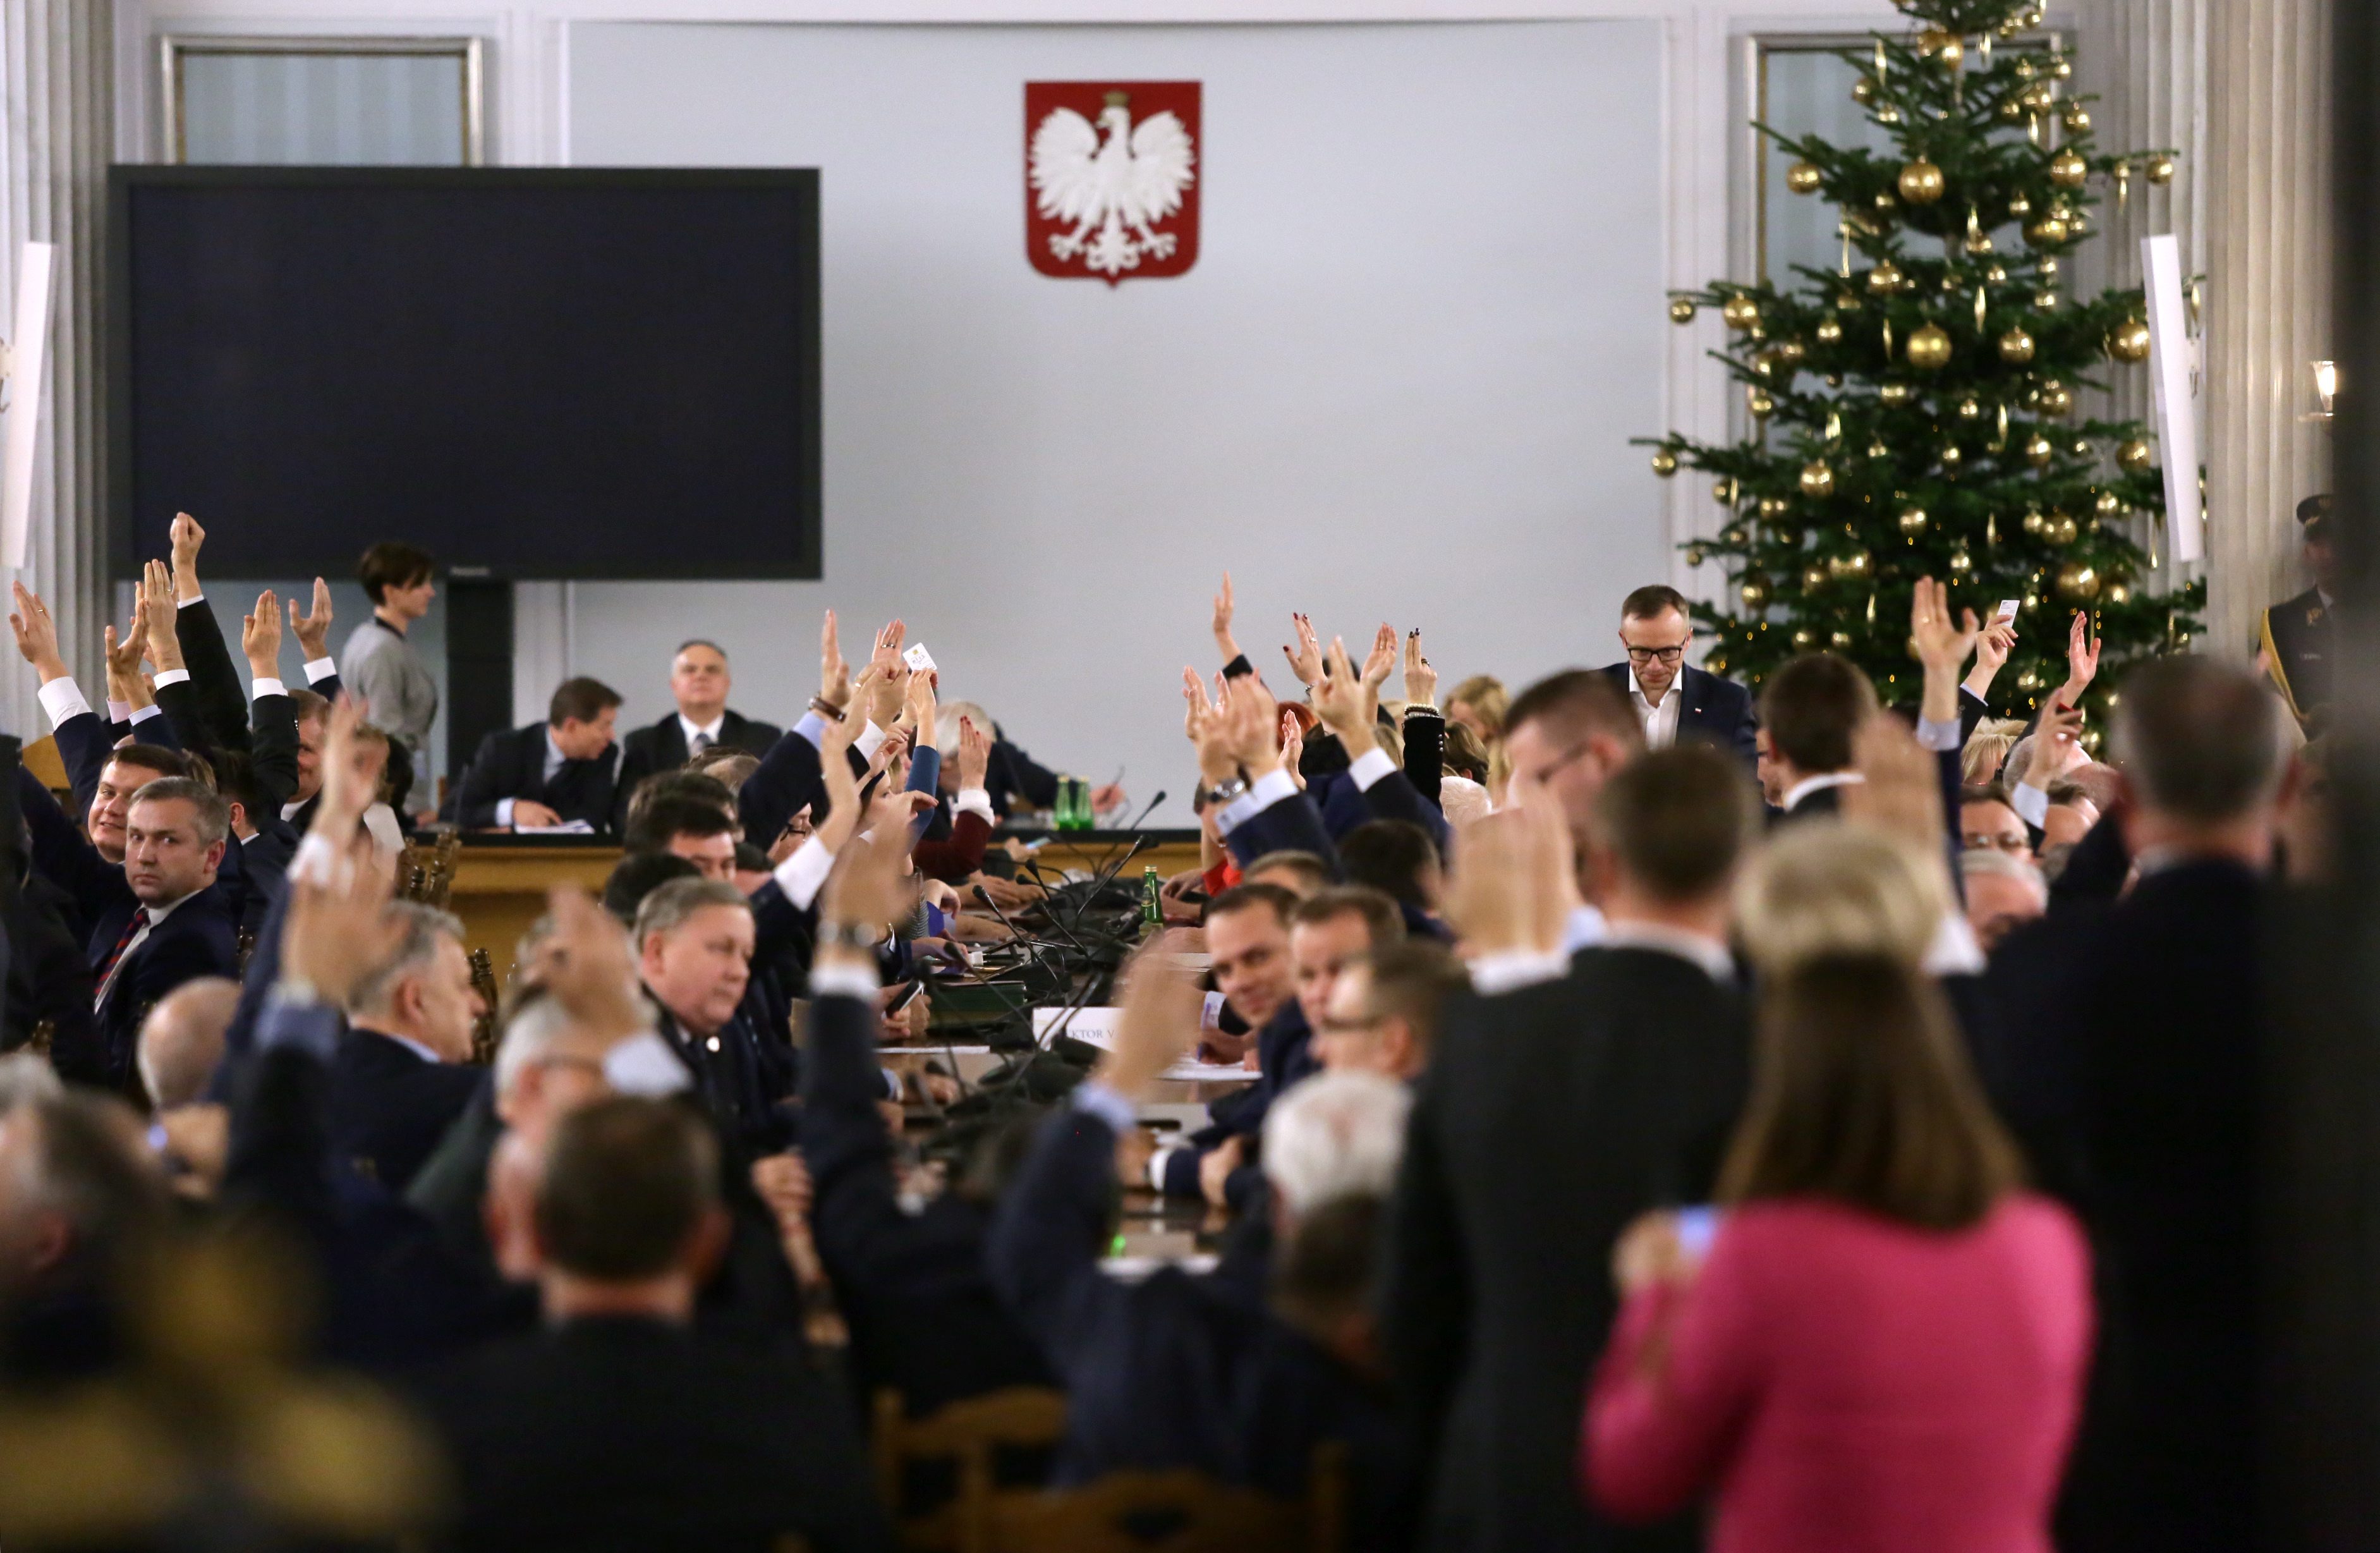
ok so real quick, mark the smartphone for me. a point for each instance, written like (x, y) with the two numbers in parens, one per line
(907, 995)
(1697, 1227)
(918, 658)
(2006, 612)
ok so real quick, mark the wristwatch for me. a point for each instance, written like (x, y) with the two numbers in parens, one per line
(859, 936)
(1224, 792)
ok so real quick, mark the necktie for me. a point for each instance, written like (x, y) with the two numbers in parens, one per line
(123, 943)
(701, 743)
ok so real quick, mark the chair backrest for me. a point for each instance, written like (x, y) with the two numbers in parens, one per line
(1178, 1511)
(968, 1433)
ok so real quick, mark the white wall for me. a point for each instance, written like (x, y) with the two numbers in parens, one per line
(1397, 385)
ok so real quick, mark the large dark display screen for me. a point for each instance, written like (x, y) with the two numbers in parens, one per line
(533, 373)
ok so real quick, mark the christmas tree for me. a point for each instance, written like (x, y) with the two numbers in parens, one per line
(1915, 413)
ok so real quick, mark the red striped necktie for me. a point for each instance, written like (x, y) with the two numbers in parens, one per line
(123, 943)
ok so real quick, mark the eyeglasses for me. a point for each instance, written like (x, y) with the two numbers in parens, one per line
(2005, 842)
(1665, 654)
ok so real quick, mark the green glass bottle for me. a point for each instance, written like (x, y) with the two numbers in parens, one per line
(1152, 899)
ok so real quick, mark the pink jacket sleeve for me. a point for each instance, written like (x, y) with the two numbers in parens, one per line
(1660, 1425)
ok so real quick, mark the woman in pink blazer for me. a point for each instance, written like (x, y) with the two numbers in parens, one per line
(1883, 1346)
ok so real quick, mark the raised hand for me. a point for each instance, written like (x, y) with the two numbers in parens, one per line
(1250, 715)
(37, 634)
(157, 589)
(1292, 748)
(260, 637)
(1380, 661)
(586, 964)
(865, 886)
(1159, 1024)
(975, 754)
(834, 674)
(1197, 712)
(1942, 641)
(1224, 641)
(124, 657)
(2081, 660)
(339, 927)
(921, 710)
(1901, 789)
(313, 631)
(1210, 729)
(351, 769)
(1515, 881)
(1306, 661)
(2057, 740)
(1340, 700)
(187, 537)
(1421, 680)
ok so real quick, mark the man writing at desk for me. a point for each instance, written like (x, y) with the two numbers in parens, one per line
(551, 773)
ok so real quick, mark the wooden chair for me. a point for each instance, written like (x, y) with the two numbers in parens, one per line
(969, 1434)
(1179, 1512)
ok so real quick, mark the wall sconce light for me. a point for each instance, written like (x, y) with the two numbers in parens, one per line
(2326, 388)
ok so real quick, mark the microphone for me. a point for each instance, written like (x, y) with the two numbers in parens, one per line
(1146, 812)
(1032, 945)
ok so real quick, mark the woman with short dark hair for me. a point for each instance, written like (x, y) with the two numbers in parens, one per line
(379, 665)
(1883, 1342)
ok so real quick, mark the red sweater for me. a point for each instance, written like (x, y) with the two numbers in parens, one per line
(1846, 1383)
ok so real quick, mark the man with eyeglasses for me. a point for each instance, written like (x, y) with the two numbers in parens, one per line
(1671, 698)
(1986, 823)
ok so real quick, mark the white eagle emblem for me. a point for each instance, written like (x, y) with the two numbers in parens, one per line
(1114, 189)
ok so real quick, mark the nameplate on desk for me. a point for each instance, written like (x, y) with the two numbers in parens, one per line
(1096, 1026)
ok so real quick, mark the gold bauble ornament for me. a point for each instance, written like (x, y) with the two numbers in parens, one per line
(1694, 556)
(2012, 109)
(2020, 206)
(2057, 399)
(1665, 463)
(2038, 451)
(1789, 353)
(1804, 178)
(2118, 593)
(1896, 394)
(1885, 279)
(2029, 679)
(1920, 182)
(1681, 310)
(1812, 579)
(2048, 232)
(1754, 593)
(1841, 641)
(1817, 480)
(1951, 457)
(2078, 120)
(2083, 448)
(1884, 202)
(1961, 563)
(2016, 347)
(1913, 521)
(2109, 504)
(2045, 299)
(2068, 170)
(1804, 638)
(1875, 449)
(1846, 567)
(1864, 90)
(1772, 508)
(2040, 97)
(1760, 403)
(2060, 529)
(1929, 348)
(2046, 266)
(2024, 69)
(2160, 170)
(2077, 580)
(1979, 243)
(1733, 534)
(2129, 341)
(1723, 491)
(1933, 40)
(1996, 275)
(2034, 524)
(1741, 312)
(1828, 332)
(2134, 456)
(1969, 409)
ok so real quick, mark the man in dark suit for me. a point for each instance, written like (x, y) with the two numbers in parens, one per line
(2128, 1057)
(402, 1074)
(623, 1424)
(1585, 1092)
(1810, 712)
(547, 773)
(1208, 1371)
(1676, 701)
(1568, 734)
(703, 721)
(2296, 639)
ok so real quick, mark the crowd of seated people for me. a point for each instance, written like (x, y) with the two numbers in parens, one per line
(1670, 1114)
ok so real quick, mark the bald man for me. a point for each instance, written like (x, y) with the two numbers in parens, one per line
(182, 1040)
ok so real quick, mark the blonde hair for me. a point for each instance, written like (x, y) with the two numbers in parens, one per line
(1979, 763)
(1486, 695)
(1827, 889)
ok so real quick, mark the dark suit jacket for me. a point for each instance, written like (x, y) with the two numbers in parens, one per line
(1284, 1056)
(390, 1106)
(1550, 1118)
(512, 765)
(199, 938)
(1177, 1371)
(661, 747)
(924, 1318)
(627, 1433)
(1717, 710)
(2126, 1057)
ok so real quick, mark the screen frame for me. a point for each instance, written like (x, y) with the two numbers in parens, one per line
(125, 179)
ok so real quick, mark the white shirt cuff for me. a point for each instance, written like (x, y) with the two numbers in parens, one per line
(1510, 969)
(1584, 930)
(1954, 950)
(974, 800)
(503, 811)
(1269, 789)
(1156, 1160)
(1937, 736)
(62, 698)
(198, 598)
(170, 676)
(870, 738)
(319, 669)
(118, 712)
(316, 860)
(844, 979)
(812, 727)
(1370, 767)
(264, 687)
(1094, 1099)
(2032, 804)
(143, 714)
(802, 875)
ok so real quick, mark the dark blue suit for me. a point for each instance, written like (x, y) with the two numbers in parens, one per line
(1177, 1371)
(924, 1318)
(1284, 1056)
(391, 1106)
(1716, 710)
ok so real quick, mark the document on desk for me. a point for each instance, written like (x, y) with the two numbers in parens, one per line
(567, 828)
(1192, 1072)
(1093, 1025)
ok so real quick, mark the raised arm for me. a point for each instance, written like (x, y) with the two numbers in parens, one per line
(221, 702)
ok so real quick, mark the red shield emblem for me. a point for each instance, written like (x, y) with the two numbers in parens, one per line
(1111, 178)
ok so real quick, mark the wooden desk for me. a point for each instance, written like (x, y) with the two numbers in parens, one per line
(500, 890)
(1169, 852)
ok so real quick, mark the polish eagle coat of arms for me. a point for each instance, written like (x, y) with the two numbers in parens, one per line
(1111, 178)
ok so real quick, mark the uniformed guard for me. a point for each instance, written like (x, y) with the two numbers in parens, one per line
(2294, 641)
